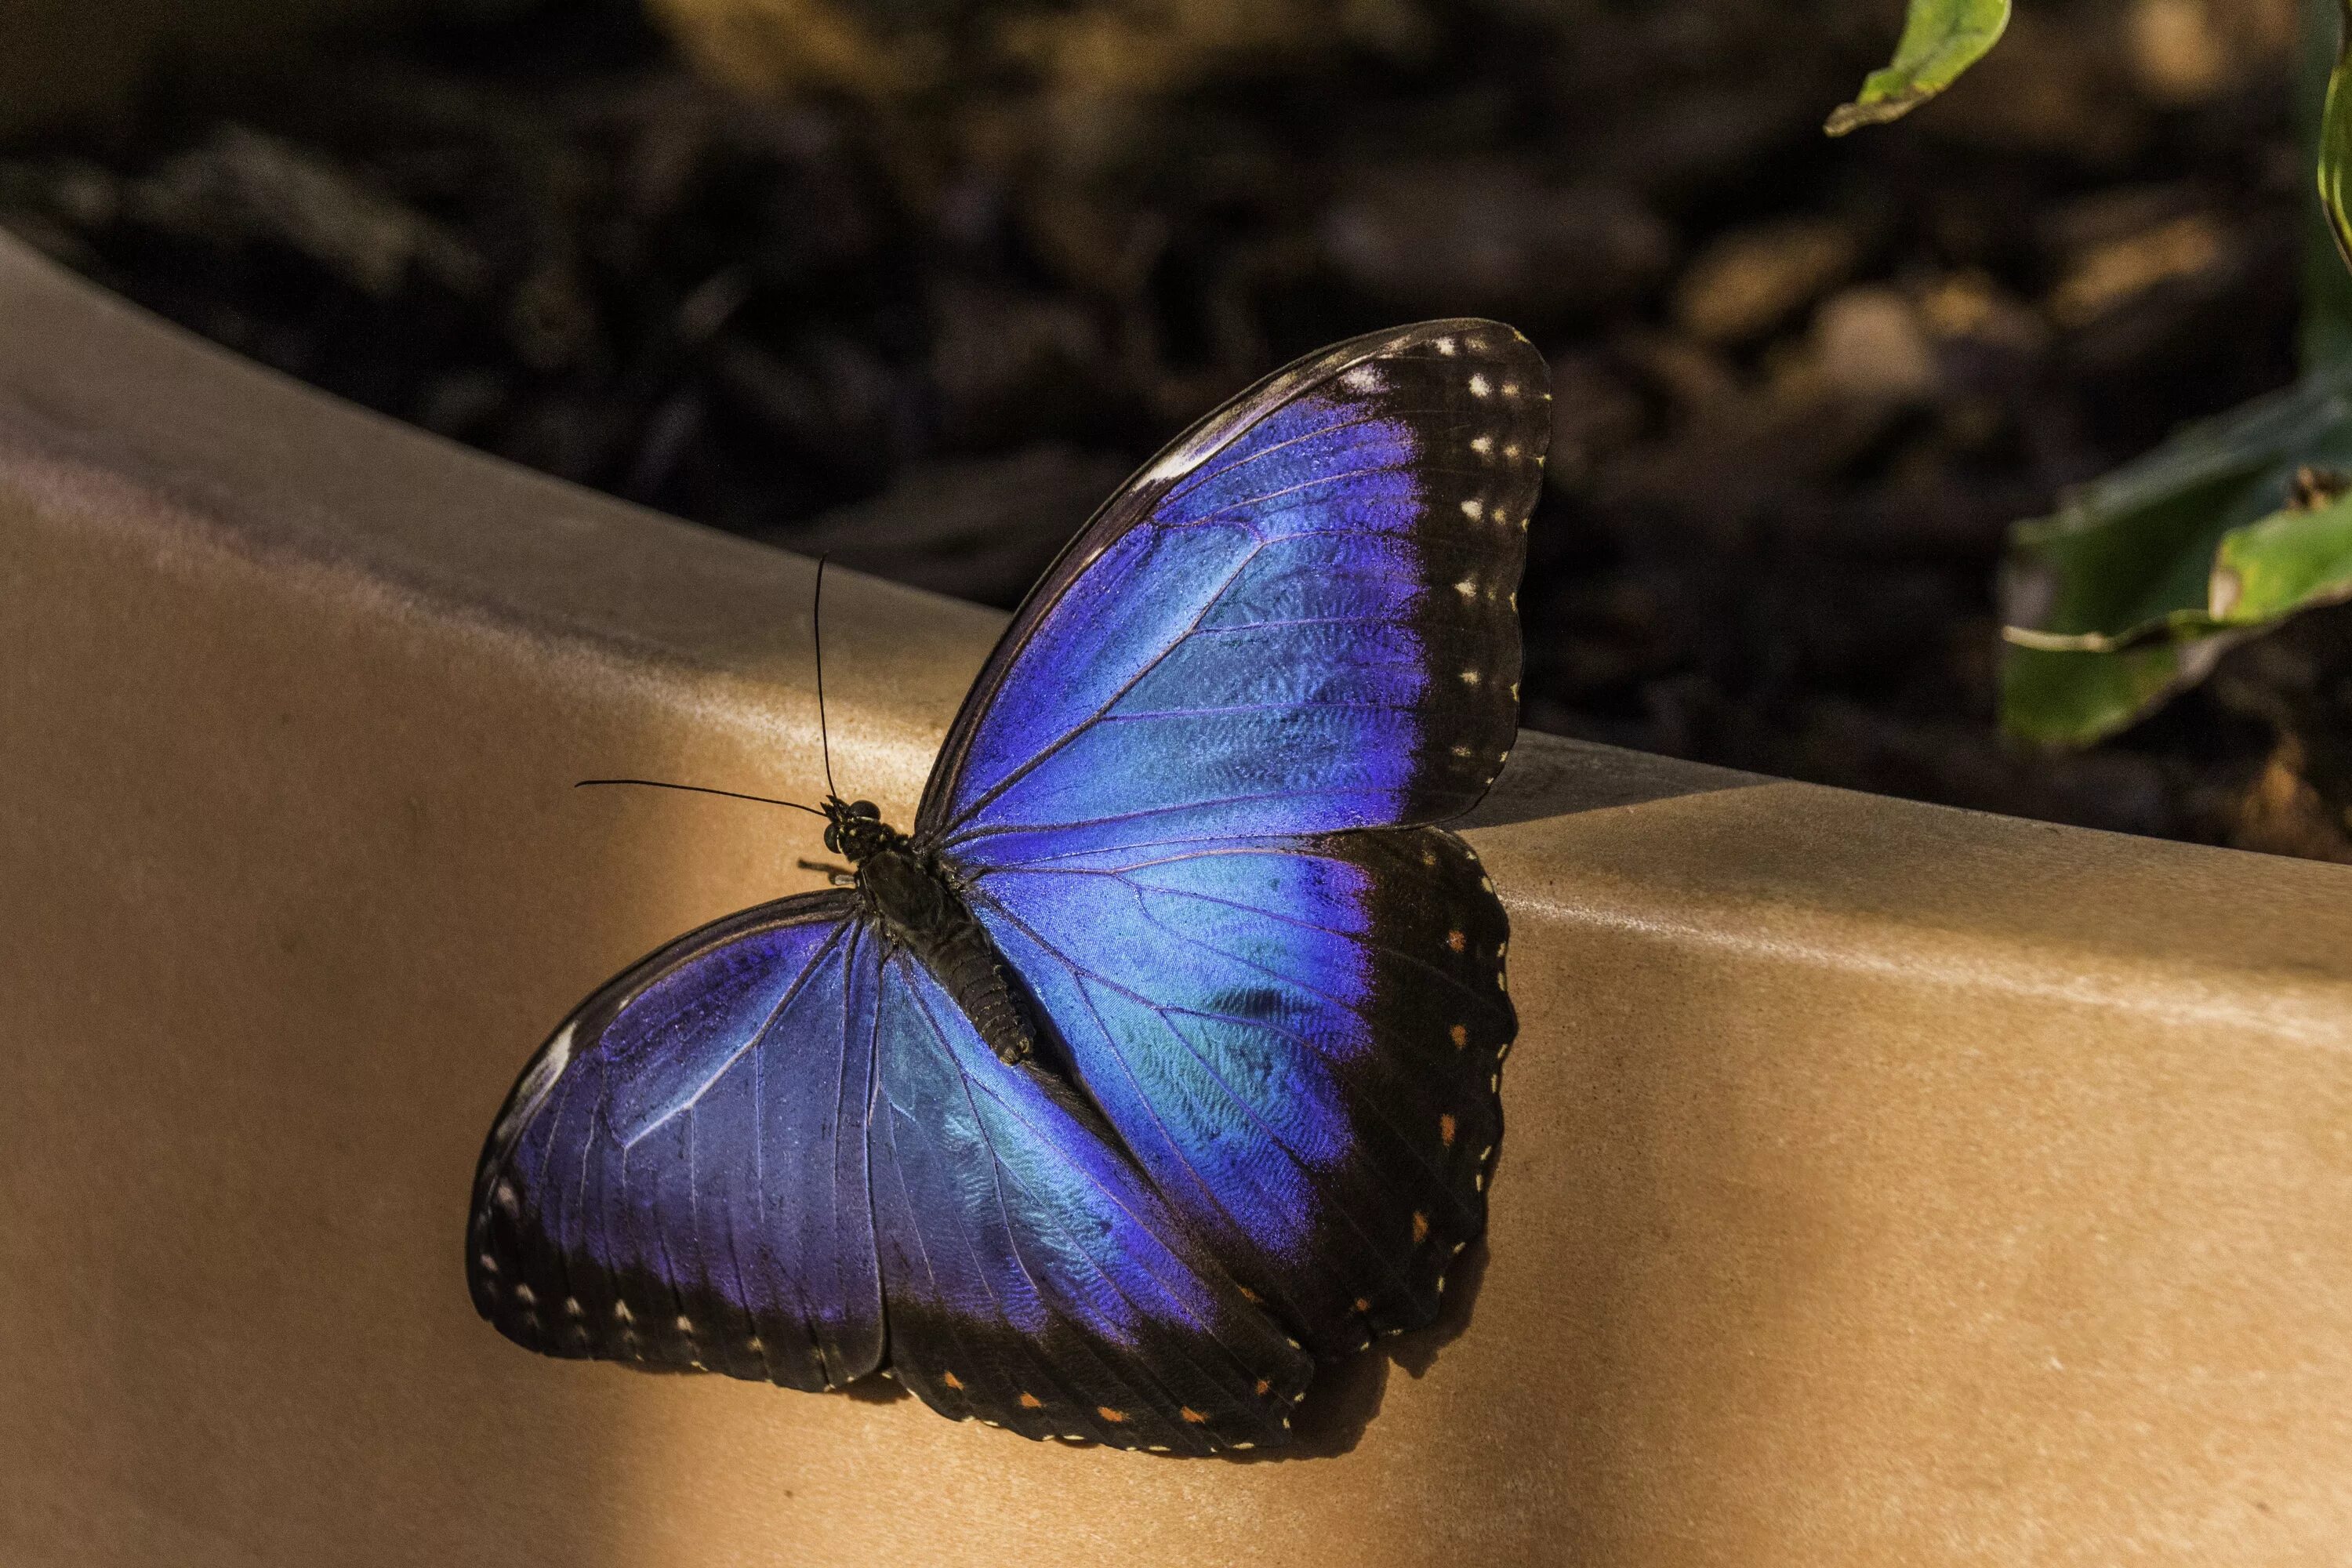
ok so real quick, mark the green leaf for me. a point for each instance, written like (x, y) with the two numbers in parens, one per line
(1941, 38)
(2139, 582)
(2326, 335)
(2074, 699)
(2290, 560)
(2335, 138)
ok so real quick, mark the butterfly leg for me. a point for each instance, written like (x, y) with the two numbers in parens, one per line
(839, 876)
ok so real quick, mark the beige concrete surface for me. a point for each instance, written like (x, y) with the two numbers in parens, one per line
(1883, 1185)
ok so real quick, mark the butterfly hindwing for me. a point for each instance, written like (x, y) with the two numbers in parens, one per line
(679, 1177)
(1033, 1278)
(1298, 1038)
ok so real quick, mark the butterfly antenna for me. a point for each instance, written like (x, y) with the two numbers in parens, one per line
(817, 620)
(699, 789)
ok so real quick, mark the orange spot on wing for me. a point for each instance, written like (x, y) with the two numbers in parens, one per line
(1420, 1226)
(1031, 1402)
(1263, 1385)
(1108, 1413)
(951, 1380)
(1194, 1416)
(1454, 940)
(1249, 1295)
(1446, 1131)
(1459, 1035)
(1363, 1305)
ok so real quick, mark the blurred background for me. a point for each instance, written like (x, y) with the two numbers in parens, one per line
(919, 281)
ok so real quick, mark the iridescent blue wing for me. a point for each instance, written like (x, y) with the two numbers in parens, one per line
(1035, 1281)
(679, 1176)
(1295, 627)
(1300, 1041)
(775, 1149)
(1299, 618)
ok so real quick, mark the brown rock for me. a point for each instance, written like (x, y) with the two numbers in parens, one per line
(1752, 280)
(1867, 343)
(2187, 52)
(2191, 249)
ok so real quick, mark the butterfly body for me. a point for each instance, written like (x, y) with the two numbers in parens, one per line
(1163, 1054)
(913, 899)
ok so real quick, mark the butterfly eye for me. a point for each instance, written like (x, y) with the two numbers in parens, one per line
(833, 837)
(866, 808)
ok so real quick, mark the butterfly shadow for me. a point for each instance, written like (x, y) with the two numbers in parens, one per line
(1551, 775)
(1347, 1393)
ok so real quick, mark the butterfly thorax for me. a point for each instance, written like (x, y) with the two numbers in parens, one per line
(911, 897)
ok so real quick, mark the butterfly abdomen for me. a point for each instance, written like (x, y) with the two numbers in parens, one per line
(923, 914)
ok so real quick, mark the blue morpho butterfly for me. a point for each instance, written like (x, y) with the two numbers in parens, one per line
(1167, 1042)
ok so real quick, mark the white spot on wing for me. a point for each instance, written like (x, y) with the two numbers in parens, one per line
(1363, 378)
(1474, 509)
(1174, 466)
(544, 1070)
(1479, 386)
(1445, 345)
(1481, 444)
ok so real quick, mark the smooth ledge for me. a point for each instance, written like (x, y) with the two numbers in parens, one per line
(1884, 1182)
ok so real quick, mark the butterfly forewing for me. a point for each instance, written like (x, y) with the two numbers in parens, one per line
(680, 1176)
(777, 1144)
(1300, 619)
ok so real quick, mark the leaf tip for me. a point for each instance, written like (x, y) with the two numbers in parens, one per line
(1848, 117)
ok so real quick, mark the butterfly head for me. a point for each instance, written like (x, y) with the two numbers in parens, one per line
(855, 829)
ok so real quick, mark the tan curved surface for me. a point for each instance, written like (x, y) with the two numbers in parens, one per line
(1885, 1184)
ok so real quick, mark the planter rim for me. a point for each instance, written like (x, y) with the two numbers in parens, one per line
(1884, 1181)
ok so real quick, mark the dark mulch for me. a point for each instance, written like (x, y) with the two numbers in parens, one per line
(1802, 385)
